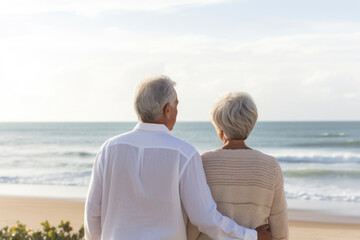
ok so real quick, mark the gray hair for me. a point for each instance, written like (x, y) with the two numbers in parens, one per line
(152, 95)
(235, 114)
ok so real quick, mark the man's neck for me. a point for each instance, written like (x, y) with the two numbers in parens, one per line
(160, 121)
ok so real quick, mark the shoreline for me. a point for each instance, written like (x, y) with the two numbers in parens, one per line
(324, 211)
(31, 211)
(298, 210)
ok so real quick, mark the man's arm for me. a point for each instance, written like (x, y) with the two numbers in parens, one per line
(278, 219)
(93, 201)
(201, 208)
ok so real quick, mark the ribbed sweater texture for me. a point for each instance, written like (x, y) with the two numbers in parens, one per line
(247, 186)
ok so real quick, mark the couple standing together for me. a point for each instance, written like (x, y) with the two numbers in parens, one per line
(149, 185)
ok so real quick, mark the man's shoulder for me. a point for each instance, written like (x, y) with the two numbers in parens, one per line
(168, 141)
(121, 138)
(184, 147)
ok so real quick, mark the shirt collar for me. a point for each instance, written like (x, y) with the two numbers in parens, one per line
(151, 127)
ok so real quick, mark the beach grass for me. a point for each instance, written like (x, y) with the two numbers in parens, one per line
(49, 232)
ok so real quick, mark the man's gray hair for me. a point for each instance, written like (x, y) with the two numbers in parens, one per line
(152, 95)
(235, 114)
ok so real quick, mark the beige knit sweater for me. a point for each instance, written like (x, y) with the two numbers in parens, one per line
(248, 187)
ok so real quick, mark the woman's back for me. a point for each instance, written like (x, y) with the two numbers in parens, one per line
(247, 186)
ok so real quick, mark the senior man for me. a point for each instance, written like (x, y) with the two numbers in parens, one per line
(146, 182)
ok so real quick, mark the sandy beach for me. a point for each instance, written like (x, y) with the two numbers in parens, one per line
(32, 211)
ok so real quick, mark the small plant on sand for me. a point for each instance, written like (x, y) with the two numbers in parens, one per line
(20, 232)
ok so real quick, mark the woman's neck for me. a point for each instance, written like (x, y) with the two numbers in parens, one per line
(234, 144)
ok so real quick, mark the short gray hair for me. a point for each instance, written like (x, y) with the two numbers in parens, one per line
(235, 114)
(152, 95)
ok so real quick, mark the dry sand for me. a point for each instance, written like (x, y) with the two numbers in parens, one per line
(32, 211)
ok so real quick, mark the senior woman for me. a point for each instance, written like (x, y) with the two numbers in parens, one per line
(246, 184)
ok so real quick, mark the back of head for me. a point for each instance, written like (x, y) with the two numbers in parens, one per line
(152, 95)
(235, 114)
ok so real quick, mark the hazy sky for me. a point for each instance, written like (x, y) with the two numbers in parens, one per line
(75, 60)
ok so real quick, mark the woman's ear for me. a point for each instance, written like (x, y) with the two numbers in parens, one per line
(221, 135)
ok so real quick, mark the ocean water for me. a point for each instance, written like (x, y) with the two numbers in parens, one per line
(320, 160)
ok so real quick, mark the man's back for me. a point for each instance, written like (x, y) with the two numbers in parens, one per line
(140, 173)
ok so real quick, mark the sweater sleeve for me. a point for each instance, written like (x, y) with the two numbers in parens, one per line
(278, 219)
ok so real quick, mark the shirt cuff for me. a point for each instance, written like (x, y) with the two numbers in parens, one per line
(250, 234)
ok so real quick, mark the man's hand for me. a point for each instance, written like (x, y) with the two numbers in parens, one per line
(264, 232)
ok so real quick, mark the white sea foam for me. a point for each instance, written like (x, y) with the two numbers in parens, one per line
(314, 155)
(308, 192)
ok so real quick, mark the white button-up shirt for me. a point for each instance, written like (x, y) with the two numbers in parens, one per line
(143, 184)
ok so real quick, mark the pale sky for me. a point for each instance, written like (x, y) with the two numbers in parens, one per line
(80, 60)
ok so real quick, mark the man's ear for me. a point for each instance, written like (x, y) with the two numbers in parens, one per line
(166, 110)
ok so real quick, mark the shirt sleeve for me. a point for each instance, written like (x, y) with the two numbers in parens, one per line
(278, 219)
(201, 208)
(93, 201)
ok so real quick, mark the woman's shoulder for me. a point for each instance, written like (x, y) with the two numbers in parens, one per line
(239, 154)
(264, 156)
(210, 153)
(244, 165)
